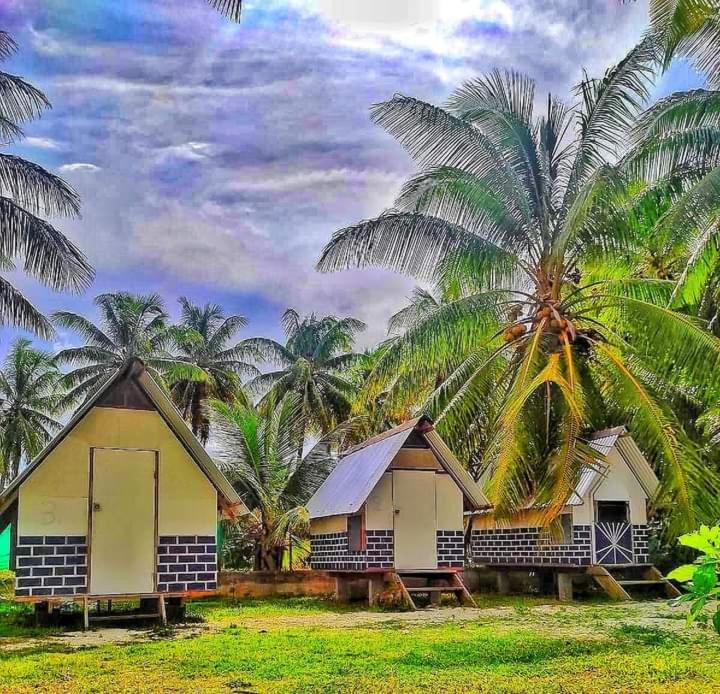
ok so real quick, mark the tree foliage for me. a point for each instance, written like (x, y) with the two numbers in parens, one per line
(31, 397)
(540, 233)
(28, 192)
(203, 340)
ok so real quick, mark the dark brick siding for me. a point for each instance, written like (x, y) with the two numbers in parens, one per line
(525, 546)
(529, 546)
(380, 549)
(329, 552)
(186, 563)
(51, 565)
(641, 539)
(450, 549)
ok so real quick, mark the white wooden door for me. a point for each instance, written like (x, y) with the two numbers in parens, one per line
(415, 525)
(122, 545)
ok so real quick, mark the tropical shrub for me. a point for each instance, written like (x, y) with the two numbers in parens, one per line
(701, 577)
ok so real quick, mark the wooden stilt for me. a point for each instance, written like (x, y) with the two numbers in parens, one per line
(503, 583)
(86, 614)
(161, 610)
(565, 587)
(376, 585)
(342, 589)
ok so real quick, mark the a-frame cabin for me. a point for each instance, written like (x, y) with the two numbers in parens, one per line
(123, 502)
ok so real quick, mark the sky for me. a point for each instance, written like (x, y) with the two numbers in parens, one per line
(214, 160)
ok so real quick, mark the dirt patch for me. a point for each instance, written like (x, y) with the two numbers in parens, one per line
(581, 620)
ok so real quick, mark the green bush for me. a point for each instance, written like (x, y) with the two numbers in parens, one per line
(701, 577)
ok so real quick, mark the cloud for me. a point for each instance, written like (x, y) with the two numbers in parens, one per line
(41, 142)
(224, 157)
(78, 166)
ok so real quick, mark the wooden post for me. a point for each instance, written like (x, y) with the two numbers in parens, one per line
(342, 589)
(503, 582)
(376, 585)
(161, 609)
(86, 614)
(565, 587)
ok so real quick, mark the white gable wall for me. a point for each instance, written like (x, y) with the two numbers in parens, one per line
(619, 484)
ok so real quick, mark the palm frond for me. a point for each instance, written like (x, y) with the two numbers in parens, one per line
(48, 255)
(229, 8)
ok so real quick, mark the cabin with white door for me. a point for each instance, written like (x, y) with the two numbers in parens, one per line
(123, 502)
(392, 511)
(602, 531)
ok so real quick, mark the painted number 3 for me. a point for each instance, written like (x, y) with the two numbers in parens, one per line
(48, 512)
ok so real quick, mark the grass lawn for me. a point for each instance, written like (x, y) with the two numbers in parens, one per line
(307, 645)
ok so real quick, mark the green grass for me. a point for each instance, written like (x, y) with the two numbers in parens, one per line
(307, 645)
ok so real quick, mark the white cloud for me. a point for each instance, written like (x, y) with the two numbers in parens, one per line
(189, 151)
(78, 166)
(284, 182)
(41, 142)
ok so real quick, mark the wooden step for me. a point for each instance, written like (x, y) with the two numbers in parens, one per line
(113, 617)
(645, 582)
(433, 589)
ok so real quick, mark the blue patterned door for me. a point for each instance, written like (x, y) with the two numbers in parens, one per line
(613, 543)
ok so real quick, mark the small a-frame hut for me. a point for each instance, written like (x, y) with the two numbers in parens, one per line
(392, 510)
(603, 527)
(123, 502)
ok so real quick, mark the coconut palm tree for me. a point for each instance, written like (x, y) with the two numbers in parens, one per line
(229, 8)
(316, 352)
(689, 29)
(31, 396)
(28, 192)
(530, 216)
(259, 455)
(203, 340)
(130, 326)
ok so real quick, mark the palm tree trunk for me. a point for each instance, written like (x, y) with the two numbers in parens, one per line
(200, 421)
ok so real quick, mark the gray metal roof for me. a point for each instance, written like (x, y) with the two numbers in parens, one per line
(348, 486)
(354, 477)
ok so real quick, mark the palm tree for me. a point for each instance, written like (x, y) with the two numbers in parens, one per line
(259, 454)
(31, 396)
(689, 29)
(27, 192)
(130, 326)
(529, 216)
(203, 340)
(229, 8)
(315, 354)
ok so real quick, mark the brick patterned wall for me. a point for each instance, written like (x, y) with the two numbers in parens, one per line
(380, 549)
(641, 539)
(186, 562)
(51, 565)
(526, 546)
(329, 552)
(450, 549)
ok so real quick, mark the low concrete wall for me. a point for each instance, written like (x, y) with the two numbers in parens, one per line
(260, 584)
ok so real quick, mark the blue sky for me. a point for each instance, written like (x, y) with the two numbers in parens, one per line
(215, 160)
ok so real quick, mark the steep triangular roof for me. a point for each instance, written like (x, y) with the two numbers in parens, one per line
(350, 483)
(131, 387)
(603, 442)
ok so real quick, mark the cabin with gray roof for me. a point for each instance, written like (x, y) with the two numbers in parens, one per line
(393, 509)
